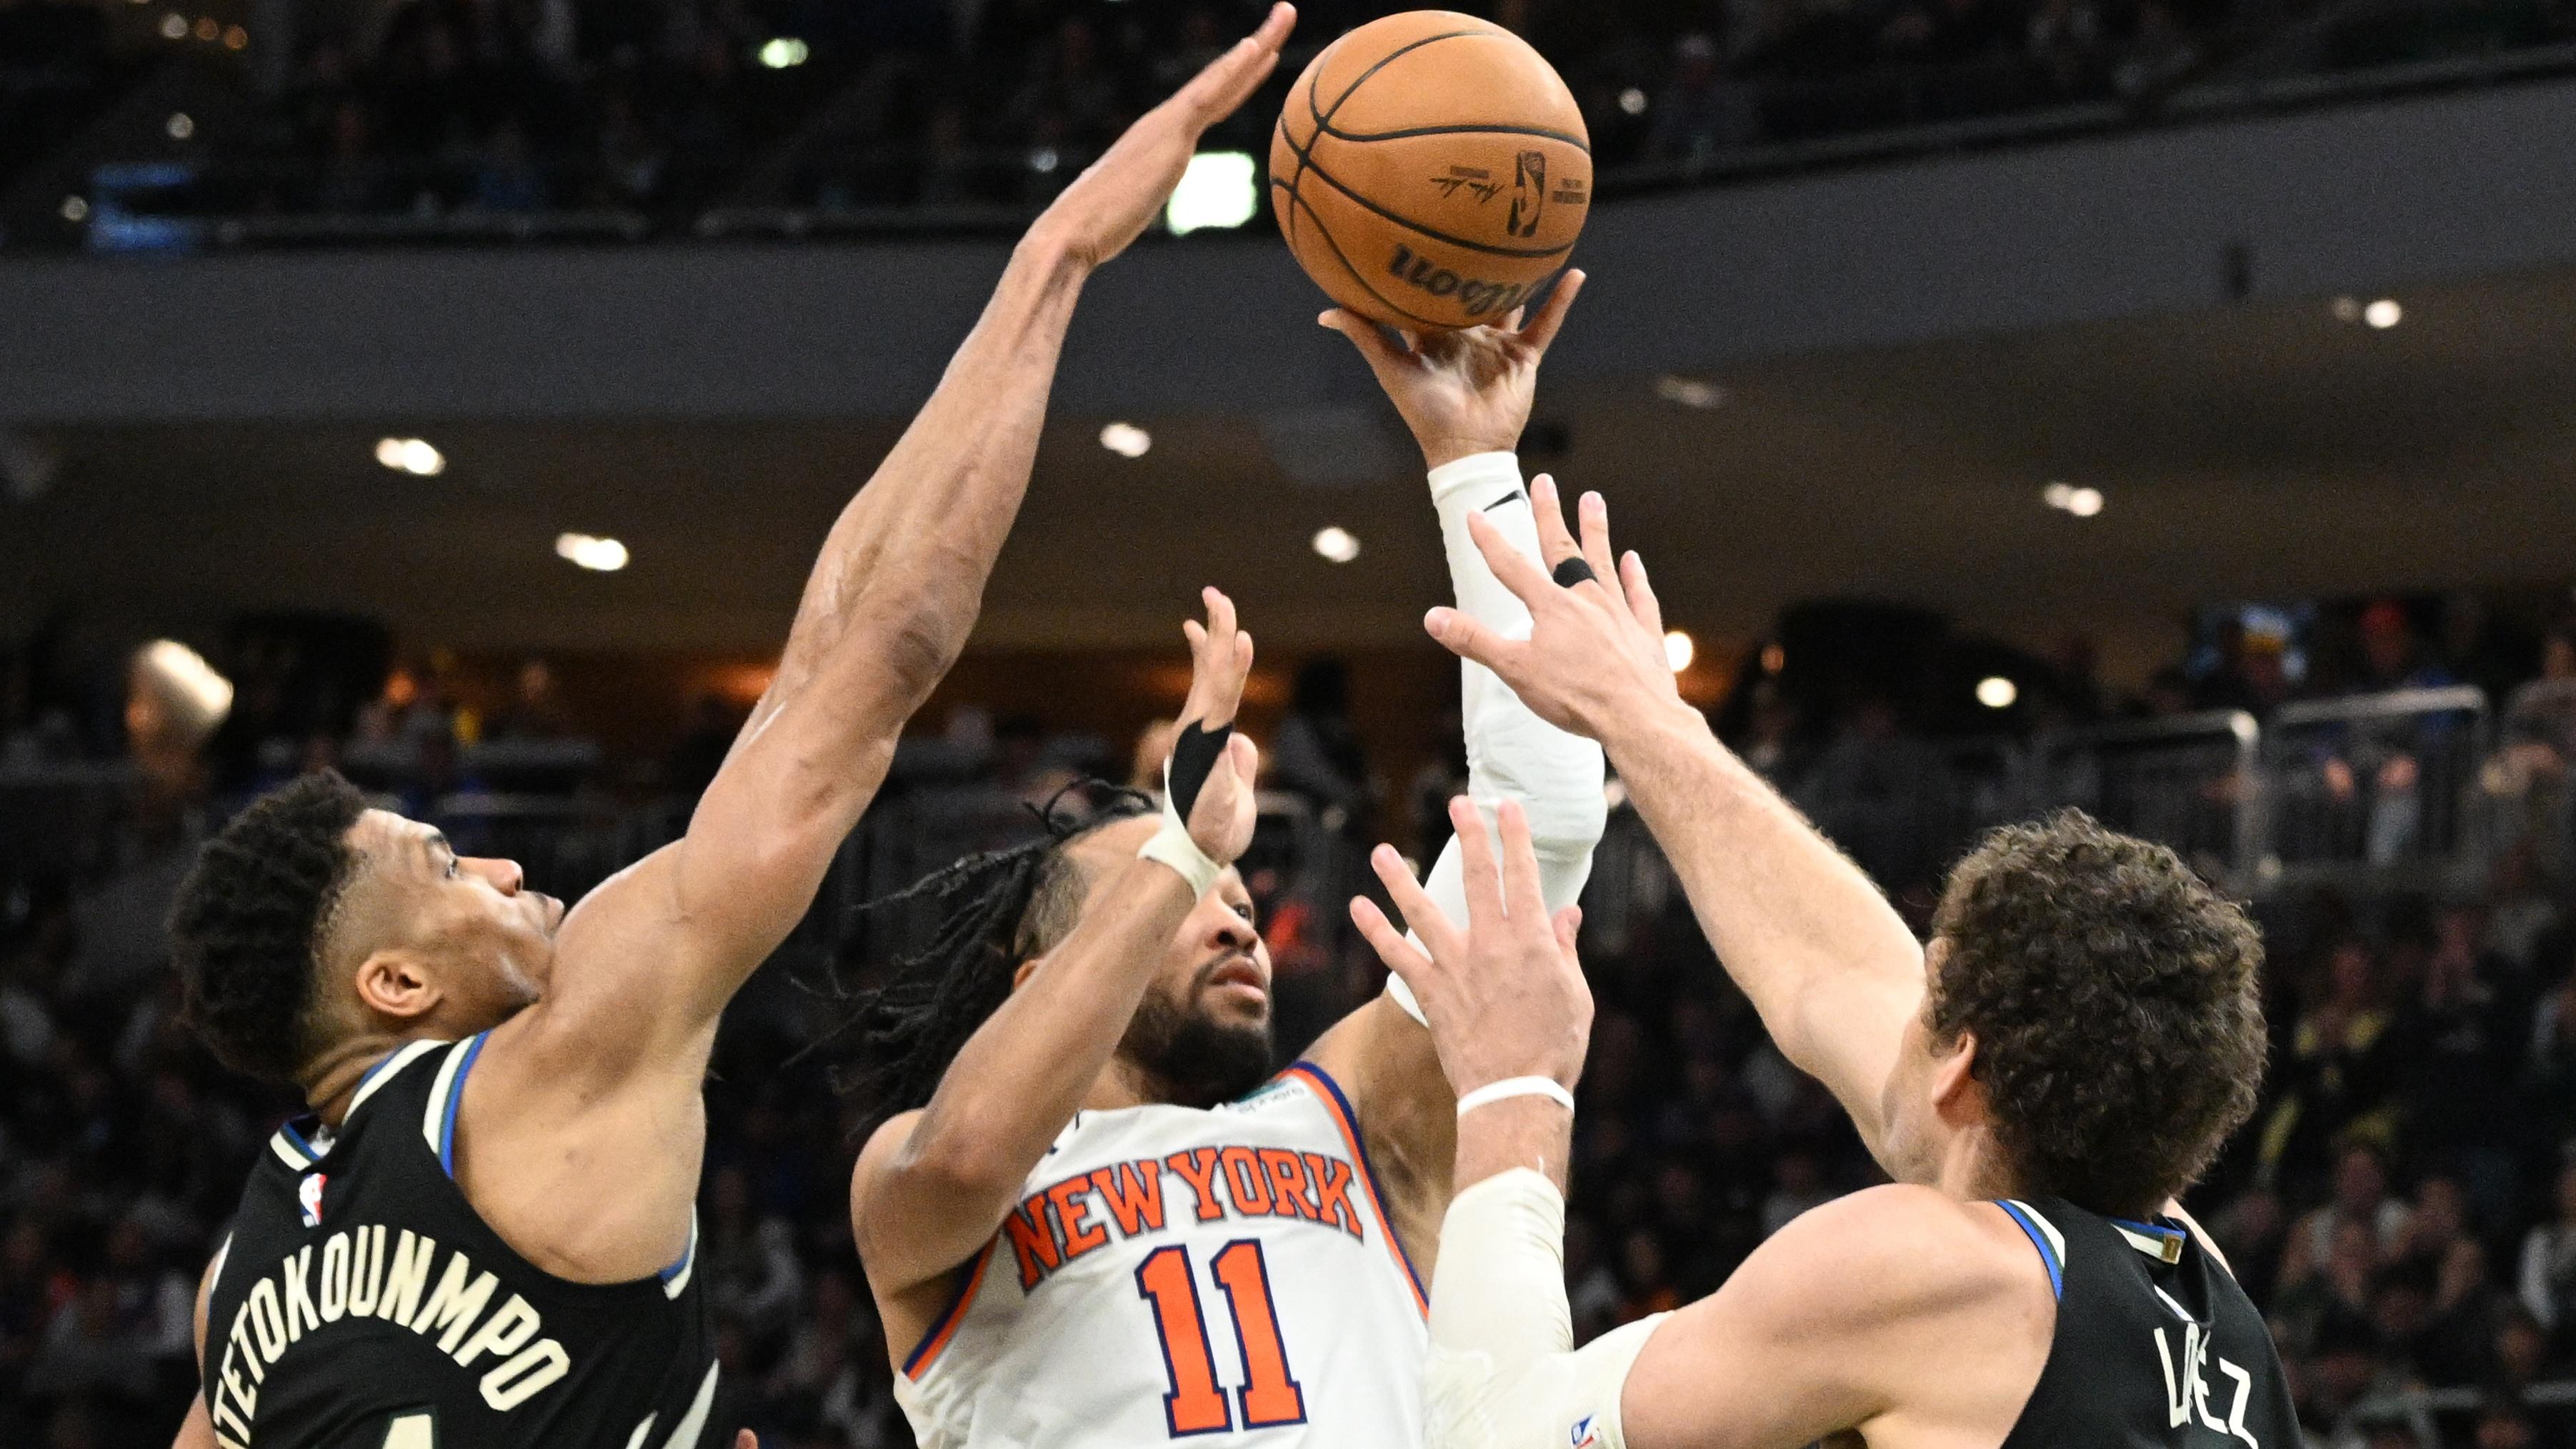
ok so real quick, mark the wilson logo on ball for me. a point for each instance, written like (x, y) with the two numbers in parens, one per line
(1475, 298)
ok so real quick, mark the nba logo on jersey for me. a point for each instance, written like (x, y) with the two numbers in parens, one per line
(308, 1196)
(1584, 1436)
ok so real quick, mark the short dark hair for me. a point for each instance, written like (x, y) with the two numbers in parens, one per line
(247, 926)
(2114, 999)
(995, 911)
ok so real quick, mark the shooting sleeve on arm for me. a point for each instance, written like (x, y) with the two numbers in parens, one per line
(1512, 754)
(1503, 1371)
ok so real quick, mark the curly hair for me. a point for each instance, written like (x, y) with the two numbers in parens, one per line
(2114, 1000)
(996, 910)
(249, 918)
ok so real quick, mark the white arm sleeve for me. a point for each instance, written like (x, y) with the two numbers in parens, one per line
(1503, 1371)
(1512, 754)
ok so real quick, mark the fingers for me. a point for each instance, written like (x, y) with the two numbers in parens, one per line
(1555, 543)
(1522, 898)
(1220, 611)
(1551, 314)
(1471, 639)
(1642, 603)
(1423, 914)
(1593, 517)
(1569, 926)
(1215, 91)
(1245, 757)
(1401, 956)
(1384, 357)
(1512, 567)
(1485, 908)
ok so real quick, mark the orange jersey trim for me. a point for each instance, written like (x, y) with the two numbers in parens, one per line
(944, 1327)
(1329, 1093)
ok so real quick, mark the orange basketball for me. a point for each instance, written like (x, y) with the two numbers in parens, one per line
(1430, 170)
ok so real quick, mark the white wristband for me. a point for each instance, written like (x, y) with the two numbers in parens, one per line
(1173, 847)
(1510, 1087)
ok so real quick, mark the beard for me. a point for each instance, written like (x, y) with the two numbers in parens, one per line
(1193, 1058)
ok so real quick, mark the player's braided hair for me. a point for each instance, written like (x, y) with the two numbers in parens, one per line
(249, 919)
(995, 910)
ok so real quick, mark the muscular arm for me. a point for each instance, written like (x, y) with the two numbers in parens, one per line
(1828, 964)
(932, 1186)
(652, 957)
(1826, 961)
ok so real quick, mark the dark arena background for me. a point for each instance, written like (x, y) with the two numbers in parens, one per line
(2166, 407)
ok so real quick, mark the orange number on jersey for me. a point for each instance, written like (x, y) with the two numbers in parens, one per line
(1270, 1393)
(1196, 1405)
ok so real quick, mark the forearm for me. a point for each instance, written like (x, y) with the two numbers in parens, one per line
(1024, 1073)
(1826, 961)
(900, 577)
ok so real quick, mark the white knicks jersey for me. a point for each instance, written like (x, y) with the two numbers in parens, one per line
(1225, 1276)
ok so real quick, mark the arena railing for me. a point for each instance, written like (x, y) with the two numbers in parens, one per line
(2190, 782)
(2422, 1410)
(2374, 785)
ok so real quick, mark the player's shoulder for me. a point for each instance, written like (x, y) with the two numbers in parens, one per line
(1902, 1251)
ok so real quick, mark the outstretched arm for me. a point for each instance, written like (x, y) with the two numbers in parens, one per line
(1825, 959)
(651, 958)
(933, 1186)
(1466, 397)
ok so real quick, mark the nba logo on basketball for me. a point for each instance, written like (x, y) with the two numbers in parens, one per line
(308, 1196)
(1584, 1435)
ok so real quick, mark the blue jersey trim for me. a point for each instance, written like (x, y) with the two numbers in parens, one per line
(2039, 1240)
(1325, 1080)
(456, 1094)
(301, 1143)
(2153, 1230)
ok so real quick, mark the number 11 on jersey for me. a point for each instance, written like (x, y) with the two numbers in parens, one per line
(1197, 1404)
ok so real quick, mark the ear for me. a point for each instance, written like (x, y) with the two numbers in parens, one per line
(397, 983)
(1027, 969)
(1958, 1098)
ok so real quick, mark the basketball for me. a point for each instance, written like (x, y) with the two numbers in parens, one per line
(1430, 170)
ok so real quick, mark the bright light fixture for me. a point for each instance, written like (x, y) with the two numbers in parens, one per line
(1126, 440)
(1996, 692)
(1632, 102)
(1678, 650)
(600, 555)
(1217, 189)
(1337, 543)
(180, 126)
(411, 455)
(174, 26)
(186, 673)
(783, 52)
(75, 209)
(2383, 314)
(1689, 392)
(2068, 498)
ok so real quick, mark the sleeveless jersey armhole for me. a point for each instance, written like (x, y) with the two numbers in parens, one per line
(2043, 1236)
(1338, 1107)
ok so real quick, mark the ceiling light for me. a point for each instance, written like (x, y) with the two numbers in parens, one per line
(1218, 189)
(2383, 314)
(410, 455)
(1678, 650)
(207, 29)
(180, 126)
(174, 26)
(783, 52)
(187, 683)
(2345, 309)
(1044, 160)
(236, 38)
(75, 209)
(1774, 658)
(2068, 498)
(1690, 392)
(1996, 692)
(1337, 543)
(1632, 101)
(1126, 440)
(600, 555)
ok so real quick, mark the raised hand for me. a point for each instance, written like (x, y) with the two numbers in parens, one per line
(1595, 654)
(1221, 817)
(1504, 995)
(1113, 200)
(1462, 392)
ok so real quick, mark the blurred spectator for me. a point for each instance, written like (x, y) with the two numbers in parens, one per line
(1316, 753)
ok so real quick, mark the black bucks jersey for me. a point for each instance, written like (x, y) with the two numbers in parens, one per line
(361, 1303)
(2156, 1346)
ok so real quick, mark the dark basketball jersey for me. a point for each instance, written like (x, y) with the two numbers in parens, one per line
(2156, 1346)
(362, 1303)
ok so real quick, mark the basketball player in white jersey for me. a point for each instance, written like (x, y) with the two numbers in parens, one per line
(2083, 1032)
(1092, 1217)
